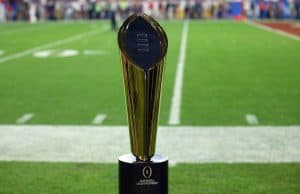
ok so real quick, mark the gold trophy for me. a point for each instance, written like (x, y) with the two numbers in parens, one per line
(143, 45)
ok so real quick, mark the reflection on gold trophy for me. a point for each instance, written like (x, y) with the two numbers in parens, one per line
(143, 44)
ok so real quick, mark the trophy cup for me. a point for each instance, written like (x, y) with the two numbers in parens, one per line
(143, 45)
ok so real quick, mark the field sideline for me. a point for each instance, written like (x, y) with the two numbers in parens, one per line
(106, 143)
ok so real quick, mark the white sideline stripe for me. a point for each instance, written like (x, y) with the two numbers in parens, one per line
(182, 144)
(251, 119)
(269, 29)
(26, 117)
(99, 119)
(172, 164)
(174, 118)
(49, 45)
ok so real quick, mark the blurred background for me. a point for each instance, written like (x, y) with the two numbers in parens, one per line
(36, 10)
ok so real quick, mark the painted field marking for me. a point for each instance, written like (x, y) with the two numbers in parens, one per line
(174, 118)
(99, 119)
(25, 118)
(269, 29)
(43, 53)
(65, 53)
(68, 53)
(50, 45)
(172, 164)
(193, 144)
(95, 52)
(251, 119)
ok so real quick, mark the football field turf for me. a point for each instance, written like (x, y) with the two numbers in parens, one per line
(68, 73)
(231, 69)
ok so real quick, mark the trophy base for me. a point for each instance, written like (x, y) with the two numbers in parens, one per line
(139, 177)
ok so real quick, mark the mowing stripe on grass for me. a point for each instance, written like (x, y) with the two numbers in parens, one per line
(190, 144)
(22, 29)
(174, 118)
(25, 118)
(99, 119)
(269, 29)
(50, 45)
(251, 119)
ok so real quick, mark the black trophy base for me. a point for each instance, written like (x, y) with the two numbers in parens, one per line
(138, 177)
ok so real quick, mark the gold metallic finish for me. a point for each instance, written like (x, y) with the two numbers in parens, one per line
(142, 90)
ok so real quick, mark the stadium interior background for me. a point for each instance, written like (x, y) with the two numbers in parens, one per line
(40, 10)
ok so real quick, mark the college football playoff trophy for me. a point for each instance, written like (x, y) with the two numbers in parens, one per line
(143, 44)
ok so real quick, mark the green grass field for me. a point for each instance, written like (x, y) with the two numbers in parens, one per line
(184, 178)
(231, 69)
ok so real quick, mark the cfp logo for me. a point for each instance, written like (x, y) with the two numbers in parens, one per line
(147, 172)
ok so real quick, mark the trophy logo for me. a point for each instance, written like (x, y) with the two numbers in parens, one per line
(147, 172)
(143, 46)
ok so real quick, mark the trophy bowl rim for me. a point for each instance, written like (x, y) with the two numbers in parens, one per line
(130, 158)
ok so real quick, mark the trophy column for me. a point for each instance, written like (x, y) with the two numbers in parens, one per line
(143, 45)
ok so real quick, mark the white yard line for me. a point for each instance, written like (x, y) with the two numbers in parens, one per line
(251, 119)
(99, 119)
(174, 118)
(269, 29)
(50, 45)
(190, 144)
(25, 118)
